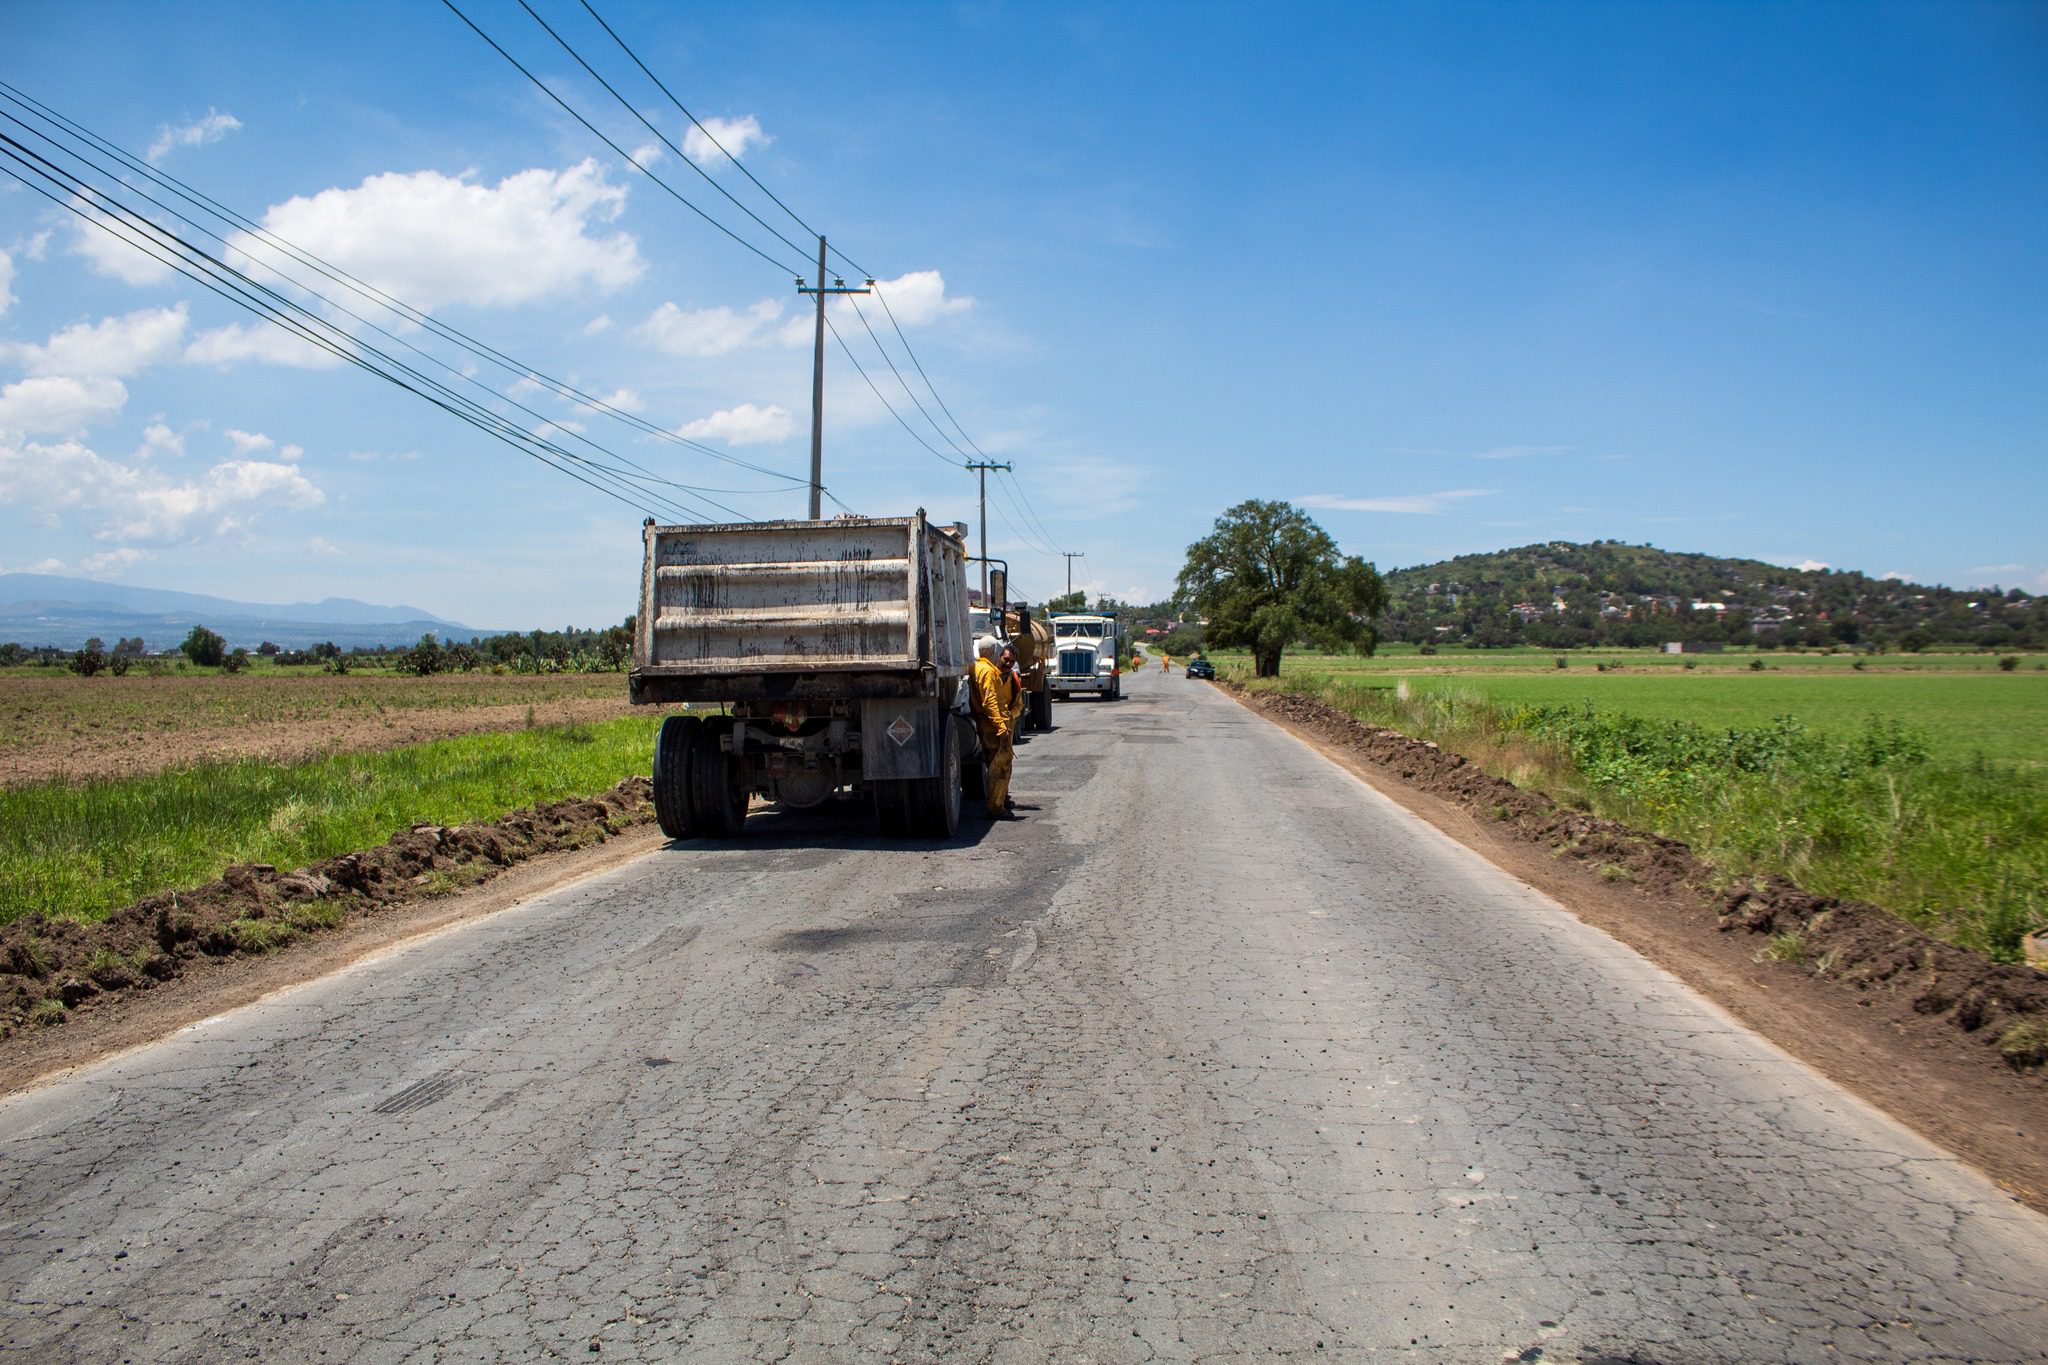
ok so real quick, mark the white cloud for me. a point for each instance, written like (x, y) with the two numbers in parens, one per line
(1423, 504)
(292, 453)
(743, 425)
(625, 400)
(140, 502)
(1811, 565)
(708, 331)
(1895, 575)
(158, 439)
(919, 297)
(248, 442)
(1518, 452)
(106, 565)
(736, 135)
(108, 348)
(212, 128)
(58, 405)
(262, 341)
(6, 281)
(649, 153)
(601, 323)
(109, 245)
(434, 239)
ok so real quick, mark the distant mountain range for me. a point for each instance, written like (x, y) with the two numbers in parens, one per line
(48, 609)
(1559, 593)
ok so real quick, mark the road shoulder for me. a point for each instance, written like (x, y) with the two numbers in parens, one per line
(1944, 1084)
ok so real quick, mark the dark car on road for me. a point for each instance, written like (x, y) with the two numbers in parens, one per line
(1201, 668)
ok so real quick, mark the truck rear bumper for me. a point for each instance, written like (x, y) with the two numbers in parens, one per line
(656, 689)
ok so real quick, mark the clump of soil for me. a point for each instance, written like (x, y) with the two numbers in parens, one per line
(50, 968)
(1903, 975)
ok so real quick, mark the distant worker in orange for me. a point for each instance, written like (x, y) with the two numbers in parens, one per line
(997, 730)
(1165, 662)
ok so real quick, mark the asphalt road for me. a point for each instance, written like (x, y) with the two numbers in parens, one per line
(1217, 1056)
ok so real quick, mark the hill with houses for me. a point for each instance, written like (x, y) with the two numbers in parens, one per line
(1560, 594)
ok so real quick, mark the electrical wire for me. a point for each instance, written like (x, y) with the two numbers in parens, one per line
(166, 247)
(681, 155)
(884, 400)
(624, 155)
(907, 390)
(708, 135)
(462, 340)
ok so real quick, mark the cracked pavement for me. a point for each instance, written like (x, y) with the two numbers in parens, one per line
(1216, 1056)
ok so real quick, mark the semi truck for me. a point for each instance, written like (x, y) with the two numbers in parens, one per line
(835, 654)
(1086, 655)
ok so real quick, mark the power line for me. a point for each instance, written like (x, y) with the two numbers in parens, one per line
(624, 155)
(885, 402)
(217, 276)
(680, 153)
(741, 166)
(809, 231)
(463, 340)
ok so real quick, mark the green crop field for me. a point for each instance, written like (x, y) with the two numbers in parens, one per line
(2000, 716)
(1921, 790)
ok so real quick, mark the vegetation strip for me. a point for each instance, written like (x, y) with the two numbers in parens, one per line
(1898, 969)
(82, 851)
(50, 966)
(1869, 808)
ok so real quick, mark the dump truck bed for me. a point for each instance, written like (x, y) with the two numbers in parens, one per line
(853, 607)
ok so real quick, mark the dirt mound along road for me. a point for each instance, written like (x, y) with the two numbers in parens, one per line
(52, 967)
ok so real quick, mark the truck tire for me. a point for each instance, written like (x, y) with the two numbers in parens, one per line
(1041, 710)
(935, 800)
(674, 751)
(1116, 689)
(718, 797)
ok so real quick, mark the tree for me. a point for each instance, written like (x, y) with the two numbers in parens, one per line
(1073, 601)
(204, 648)
(90, 659)
(1268, 576)
(236, 661)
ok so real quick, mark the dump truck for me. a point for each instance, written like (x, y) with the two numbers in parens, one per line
(836, 653)
(1086, 658)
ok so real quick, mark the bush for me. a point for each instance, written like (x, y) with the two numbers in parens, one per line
(204, 648)
(2009, 663)
(235, 662)
(89, 660)
(1563, 662)
(1756, 665)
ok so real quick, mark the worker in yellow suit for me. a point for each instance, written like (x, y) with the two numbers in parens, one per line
(1015, 681)
(992, 720)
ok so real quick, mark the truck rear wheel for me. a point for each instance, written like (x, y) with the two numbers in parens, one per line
(1041, 710)
(674, 751)
(935, 800)
(718, 797)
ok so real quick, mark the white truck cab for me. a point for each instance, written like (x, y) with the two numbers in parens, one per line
(1086, 655)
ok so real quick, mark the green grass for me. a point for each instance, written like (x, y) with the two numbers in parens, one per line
(2000, 716)
(82, 851)
(1940, 817)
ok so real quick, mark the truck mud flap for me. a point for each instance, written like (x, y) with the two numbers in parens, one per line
(900, 738)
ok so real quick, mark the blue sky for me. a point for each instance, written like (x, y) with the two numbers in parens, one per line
(1750, 279)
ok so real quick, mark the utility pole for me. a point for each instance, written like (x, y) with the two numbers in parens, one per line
(1072, 555)
(818, 374)
(983, 469)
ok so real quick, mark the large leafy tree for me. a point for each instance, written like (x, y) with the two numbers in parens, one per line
(1267, 576)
